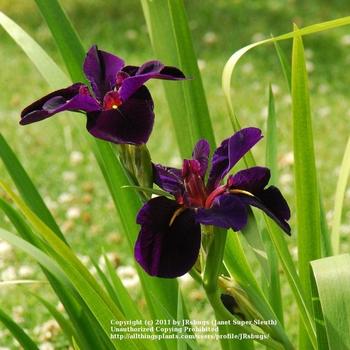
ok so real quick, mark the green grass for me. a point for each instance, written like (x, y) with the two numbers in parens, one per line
(218, 28)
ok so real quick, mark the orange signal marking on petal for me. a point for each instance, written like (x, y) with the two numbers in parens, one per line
(176, 214)
(241, 192)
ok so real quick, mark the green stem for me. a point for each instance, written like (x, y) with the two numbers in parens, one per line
(137, 160)
(214, 259)
(222, 314)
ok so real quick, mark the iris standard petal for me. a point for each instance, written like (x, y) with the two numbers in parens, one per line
(149, 70)
(131, 122)
(101, 69)
(230, 152)
(201, 154)
(273, 204)
(169, 179)
(253, 179)
(162, 249)
(227, 211)
(68, 99)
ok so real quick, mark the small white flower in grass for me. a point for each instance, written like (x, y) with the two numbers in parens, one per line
(258, 37)
(310, 67)
(9, 274)
(17, 314)
(73, 213)
(72, 188)
(345, 229)
(92, 270)
(264, 112)
(324, 111)
(84, 259)
(25, 271)
(275, 89)
(46, 346)
(323, 88)
(256, 86)
(210, 38)
(76, 157)
(131, 34)
(185, 280)
(309, 53)
(345, 40)
(51, 204)
(65, 197)
(329, 215)
(201, 64)
(48, 330)
(69, 176)
(247, 68)
(5, 249)
(286, 179)
(287, 159)
(60, 307)
(4, 348)
(294, 252)
(112, 257)
(128, 276)
(287, 99)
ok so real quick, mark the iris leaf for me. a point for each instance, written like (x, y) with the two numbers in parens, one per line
(149, 190)
(41, 60)
(123, 296)
(279, 242)
(171, 41)
(306, 189)
(17, 332)
(332, 282)
(127, 203)
(339, 198)
(325, 234)
(274, 288)
(65, 325)
(271, 139)
(239, 268)
(26, 187)
(98, 301)
(74, 305)
(233, 60)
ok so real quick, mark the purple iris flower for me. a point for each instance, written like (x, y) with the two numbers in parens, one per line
(119, 109)
(169, 240)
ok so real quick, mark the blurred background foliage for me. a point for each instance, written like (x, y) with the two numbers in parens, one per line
(63, 167)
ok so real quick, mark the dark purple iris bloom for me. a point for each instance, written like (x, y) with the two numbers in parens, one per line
(170, 236)
(120, 107)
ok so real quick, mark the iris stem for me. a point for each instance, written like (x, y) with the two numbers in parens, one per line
(137, 160)
(222, 314)
(196, 276)
(213, 263)
(215, 253)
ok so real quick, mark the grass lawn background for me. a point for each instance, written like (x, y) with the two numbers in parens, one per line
(63, 167)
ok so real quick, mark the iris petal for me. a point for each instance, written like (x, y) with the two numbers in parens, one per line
(273, 204)
(169, 179)
(227, 211)
(149, 70)
(253, 179)
(201, 154)
(165, 250)
(68, 99)
(131, 122)
(101, 69)
(230, 152)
